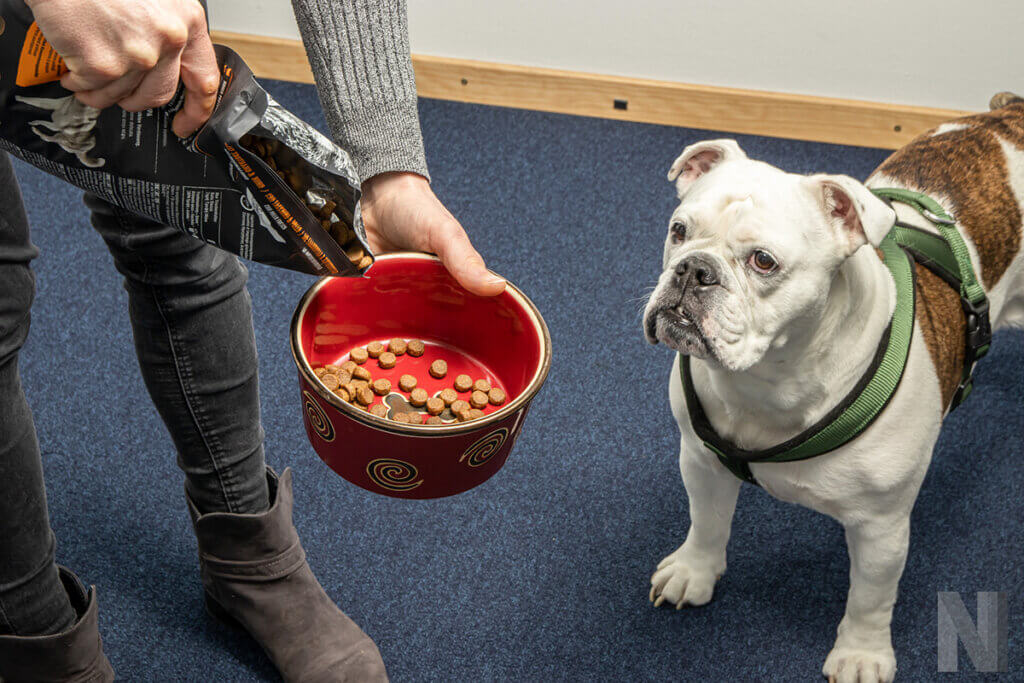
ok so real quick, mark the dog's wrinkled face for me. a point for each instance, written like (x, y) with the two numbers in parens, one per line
(751, 253)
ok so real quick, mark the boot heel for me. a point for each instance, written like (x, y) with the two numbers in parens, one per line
(214, 609)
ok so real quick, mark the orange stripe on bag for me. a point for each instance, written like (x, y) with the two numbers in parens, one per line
(39, 62)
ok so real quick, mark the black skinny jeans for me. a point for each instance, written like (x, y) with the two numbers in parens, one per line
(192, 322)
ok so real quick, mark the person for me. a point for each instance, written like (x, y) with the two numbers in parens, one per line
(192, 323)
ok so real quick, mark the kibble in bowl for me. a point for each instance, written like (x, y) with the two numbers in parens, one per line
(412, 299)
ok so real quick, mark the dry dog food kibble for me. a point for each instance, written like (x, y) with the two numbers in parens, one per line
(363, 374)
(374, 349)
(463, 383)
(403, 416)
(435, 406)
(342, 393)
(330, 381)
(418, 397)
(415, 347)
(319, 372)
(343, 378)
(434, 420)
(438, 369)
(359, 355)
(458, 405)
(475, 413)
(448, 396)
(496, 396)
(397, 346)
(478, 399)
(463, 413)
(364, 395)
(333, 369)
(382, 387)
(349, 367)
(387, 360)
(379, 409)
(407, 383)
(482, 385)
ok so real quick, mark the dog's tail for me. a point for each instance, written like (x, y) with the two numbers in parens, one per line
(1004, 99)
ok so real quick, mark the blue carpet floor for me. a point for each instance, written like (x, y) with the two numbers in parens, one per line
(542, 573)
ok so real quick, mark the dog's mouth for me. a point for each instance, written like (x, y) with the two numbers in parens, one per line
(676, 328)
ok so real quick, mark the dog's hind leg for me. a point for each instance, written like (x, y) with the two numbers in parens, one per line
(863, 648)
(688, 575)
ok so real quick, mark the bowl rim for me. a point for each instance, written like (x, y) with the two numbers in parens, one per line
(385, 425)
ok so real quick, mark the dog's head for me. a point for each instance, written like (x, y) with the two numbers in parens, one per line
(751, 253)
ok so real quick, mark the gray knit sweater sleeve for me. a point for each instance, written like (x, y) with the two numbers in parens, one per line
(359, 53)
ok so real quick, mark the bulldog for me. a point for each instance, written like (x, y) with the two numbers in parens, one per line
(774, 289)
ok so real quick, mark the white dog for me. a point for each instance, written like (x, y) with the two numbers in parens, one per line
(773, 288)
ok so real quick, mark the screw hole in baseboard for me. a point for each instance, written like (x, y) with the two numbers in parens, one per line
(620, 104)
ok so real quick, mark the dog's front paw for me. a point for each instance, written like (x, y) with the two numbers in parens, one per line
(683, 581)
(855, 665)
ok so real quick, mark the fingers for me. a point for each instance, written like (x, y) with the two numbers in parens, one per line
(157, 87)
(453, 247)
(112, 93)
(200, 75)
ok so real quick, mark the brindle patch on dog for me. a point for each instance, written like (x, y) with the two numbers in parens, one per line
(967, 165)
(941, 319)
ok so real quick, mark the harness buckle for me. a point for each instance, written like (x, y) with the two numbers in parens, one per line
(979, 328)
(979, 337)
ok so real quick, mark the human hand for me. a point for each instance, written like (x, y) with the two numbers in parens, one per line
(133, 53)
(400, 211)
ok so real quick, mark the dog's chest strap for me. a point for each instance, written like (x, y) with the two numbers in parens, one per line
(947, 256)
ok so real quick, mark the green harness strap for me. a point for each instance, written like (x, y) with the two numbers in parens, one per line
(948, 257)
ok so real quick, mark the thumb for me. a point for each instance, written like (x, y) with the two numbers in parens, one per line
(464, 262)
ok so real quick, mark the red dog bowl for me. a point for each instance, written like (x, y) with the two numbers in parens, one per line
(502, 339)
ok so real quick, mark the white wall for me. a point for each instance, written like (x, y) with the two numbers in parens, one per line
(939, 53)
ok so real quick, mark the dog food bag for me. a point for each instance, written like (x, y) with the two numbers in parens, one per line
(255, 180)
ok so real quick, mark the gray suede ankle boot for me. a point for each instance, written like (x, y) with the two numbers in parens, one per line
(256, 577)
(75, 656)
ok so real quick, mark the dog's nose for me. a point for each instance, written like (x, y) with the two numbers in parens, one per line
(697, 270)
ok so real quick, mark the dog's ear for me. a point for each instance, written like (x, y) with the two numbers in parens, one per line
(858, 216)
(699, 158)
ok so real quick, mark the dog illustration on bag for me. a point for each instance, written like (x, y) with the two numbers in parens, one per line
(70, 126)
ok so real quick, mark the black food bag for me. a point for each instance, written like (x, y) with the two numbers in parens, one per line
(255, 180)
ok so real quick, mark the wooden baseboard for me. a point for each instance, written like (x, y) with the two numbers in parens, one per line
(733, 110)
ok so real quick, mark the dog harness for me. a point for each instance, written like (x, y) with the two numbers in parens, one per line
(904, 246)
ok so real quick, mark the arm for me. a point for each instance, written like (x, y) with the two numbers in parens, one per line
(359, 53)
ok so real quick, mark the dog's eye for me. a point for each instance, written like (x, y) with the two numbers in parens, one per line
(678, 231)
(763, 262)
